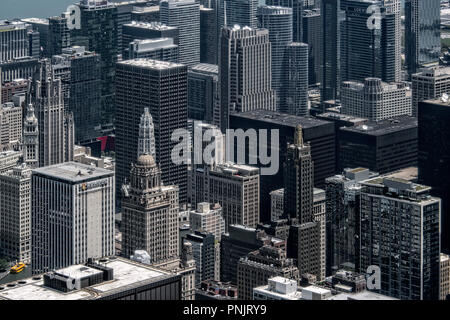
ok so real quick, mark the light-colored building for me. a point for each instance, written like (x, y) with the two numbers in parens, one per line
(429, 84)
(276, 204)
(375, 100)
(15, 214)
(10, 125)
(445, 276)
(236, 189)
(9, 159)
(319, 214)
(150, 213)
(278, 288)
(72, 215)
(245, 71)
(208, 218)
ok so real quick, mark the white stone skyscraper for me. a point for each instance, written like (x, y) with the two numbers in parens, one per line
(150, 213)
(72, 215)
(31, 139)
(245, 71)
(53, 123)
(146, 142)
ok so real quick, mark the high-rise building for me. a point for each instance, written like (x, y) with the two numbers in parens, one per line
(236, 189)
(278, 288)
(238, 12)
(58, 35)
(204, 252)
(383, 146)
(41, 32)
(72, 215)
(11, 125)
(312, 35)
(137, 30)
(208, 218)
(162, 88)
(18, 68)
(184, 14)
(162, 49)
(245, 72)
(444, 290)
(203, 93)
(99, 33)
(276, 204)
(11, 88)
(208, 36)
(320, 134)
(298, 180)
(80, 74)
(295, 87)
(146, 141)
(368, 50)
(258, 266)
(331, 40)
(14, 40)
(430, 83)
(149, 213)
(9, 159)
(47, 99)
(278, 20)
(434, 157)
(375, 100)
(15, 214)
(400, 229)
(31, 139)
(343, 219)
(236, 244)
(423, 33)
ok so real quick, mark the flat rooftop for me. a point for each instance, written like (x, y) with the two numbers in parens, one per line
(364, 295)
(384, 127)
(127, 275)
(342, 117)
(150, 25)
(150, 64)
(73, 172)
(280, 118)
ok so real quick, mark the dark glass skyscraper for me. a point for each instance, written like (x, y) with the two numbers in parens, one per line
(162, 88)
(295, 87)
(278, 20)
(98, 34)
(422, 33)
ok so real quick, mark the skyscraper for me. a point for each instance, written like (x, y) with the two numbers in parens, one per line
(203, 93)
(430, 83)
(47, 99)
(343, 219)
(434, 157)
(245, 72)
(376, 100)
(400, 227)
(150, 213)
(238, 12)
(14, 39)
(162, 49)
(98, 33)
(298, 180)
(312, 35)
(278, 20)
(208, 35)
(368, 50)
(203, 247)
(184, 14)
(72, 215)
(80, 74)
(295, 86)
(146, 141)
(423, 33)
(58, 35)
(15, 214)
(162, 88)
(331, 20)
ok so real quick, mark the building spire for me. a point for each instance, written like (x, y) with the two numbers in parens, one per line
(146, 142)
(298, 136)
